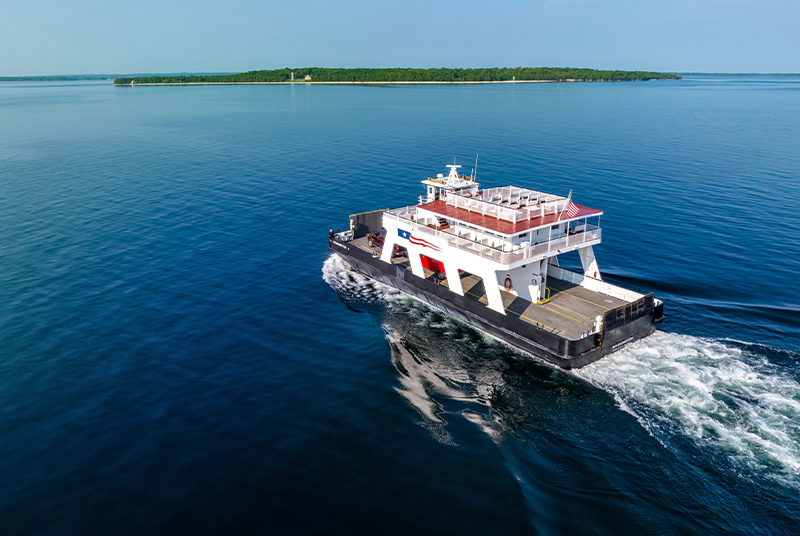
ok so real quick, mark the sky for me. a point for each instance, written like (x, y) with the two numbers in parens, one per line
(46, 37)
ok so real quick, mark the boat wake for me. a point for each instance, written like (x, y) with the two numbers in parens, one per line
(722, 395)
(353, 287)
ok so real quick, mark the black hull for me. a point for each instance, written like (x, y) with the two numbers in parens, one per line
(621, 326)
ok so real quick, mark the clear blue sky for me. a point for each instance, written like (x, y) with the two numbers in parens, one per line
(93, 36)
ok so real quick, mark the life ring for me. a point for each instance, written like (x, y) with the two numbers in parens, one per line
(507, 283)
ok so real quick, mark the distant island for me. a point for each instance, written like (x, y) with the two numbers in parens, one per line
(402, 75)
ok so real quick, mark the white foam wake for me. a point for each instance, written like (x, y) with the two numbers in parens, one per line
(722, 396)
(353, 286)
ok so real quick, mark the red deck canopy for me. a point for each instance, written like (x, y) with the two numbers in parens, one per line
(500, 226)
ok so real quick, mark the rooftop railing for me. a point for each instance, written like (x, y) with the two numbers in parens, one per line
(508, 253)
(509, 203)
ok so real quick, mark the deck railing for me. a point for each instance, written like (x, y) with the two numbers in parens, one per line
(507, 254)
(492, 204)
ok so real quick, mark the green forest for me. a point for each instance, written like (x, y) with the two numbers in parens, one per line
(319, 74)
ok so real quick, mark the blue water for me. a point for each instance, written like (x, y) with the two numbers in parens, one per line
(181, 354)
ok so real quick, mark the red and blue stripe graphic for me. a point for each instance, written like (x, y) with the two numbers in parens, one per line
(417, 241)
(424, 243)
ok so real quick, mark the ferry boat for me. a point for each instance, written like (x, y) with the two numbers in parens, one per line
(489, 257)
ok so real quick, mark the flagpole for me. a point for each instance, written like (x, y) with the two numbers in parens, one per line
(569, 198)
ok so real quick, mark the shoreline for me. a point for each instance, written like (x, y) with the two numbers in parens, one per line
(345, 83)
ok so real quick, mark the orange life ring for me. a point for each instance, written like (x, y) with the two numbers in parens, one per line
(507, 283)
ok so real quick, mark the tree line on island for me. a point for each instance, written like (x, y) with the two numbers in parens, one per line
(319, 74)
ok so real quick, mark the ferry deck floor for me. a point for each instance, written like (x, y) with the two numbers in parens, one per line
(570, 312)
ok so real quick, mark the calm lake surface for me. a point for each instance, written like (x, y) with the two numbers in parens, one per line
(181, 354)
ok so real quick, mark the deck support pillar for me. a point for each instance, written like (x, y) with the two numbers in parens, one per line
(388, 249)
(541, 289)
(492, 288)
(416, 262)
(589, 263)
(453, 278)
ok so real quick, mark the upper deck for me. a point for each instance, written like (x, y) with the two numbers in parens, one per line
(500, 219)
(508, 225)
(523, 208)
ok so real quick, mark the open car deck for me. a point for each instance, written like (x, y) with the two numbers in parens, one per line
(570, 312)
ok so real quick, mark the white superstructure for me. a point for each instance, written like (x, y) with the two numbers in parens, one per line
(508, 236)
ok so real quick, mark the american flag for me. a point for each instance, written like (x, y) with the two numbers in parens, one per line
(572, 210)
